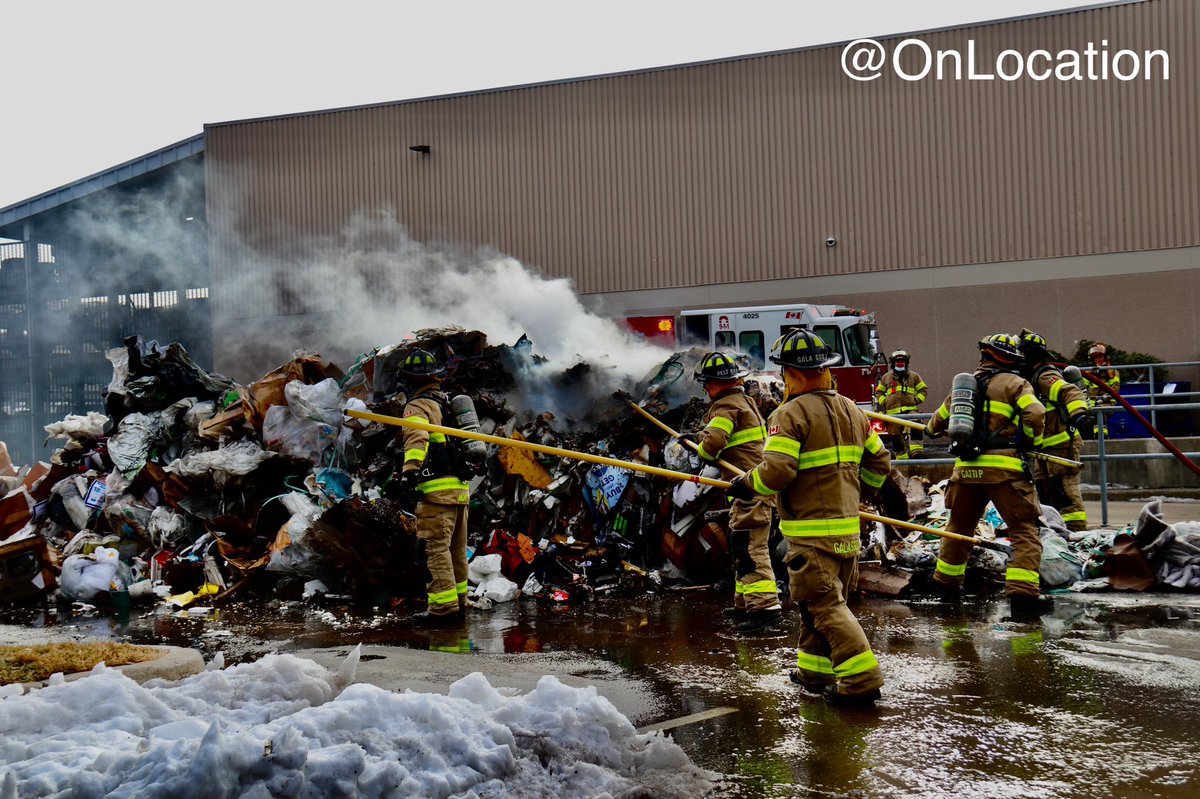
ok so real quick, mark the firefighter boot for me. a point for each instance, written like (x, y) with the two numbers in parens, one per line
(734, 615)
(427, 619)
(833, 696)
(760, 620)
(1029, 608)
(951, 596)
(812, 687)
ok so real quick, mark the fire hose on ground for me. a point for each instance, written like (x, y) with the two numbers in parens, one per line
(633, 466)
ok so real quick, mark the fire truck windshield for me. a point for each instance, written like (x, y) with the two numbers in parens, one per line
(860, 345)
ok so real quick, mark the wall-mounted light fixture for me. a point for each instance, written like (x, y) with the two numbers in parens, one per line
(420, 148)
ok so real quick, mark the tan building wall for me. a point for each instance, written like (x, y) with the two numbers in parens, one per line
(704, 177)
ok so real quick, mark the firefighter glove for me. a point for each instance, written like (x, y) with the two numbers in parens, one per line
(1084, 423)
(409, 494)
(741, 488)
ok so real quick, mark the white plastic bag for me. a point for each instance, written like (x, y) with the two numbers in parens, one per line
(483, 568)
(533, 586)
(87, 427)
(296, 557)
(684, 493)
(235, 460)
(1060, 566)
(130, 445)
(295, 436)
(166, 527)
(85, 576)
(500, 589)
(320, 402)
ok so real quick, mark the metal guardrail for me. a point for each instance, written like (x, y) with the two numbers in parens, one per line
(1102, 456)
(1149, 367)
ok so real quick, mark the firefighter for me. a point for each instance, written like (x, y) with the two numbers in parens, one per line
(1008, 418)
(819, 459)
(1066, 414)
(901, 391)
(431, 471)
(1098, 354)
(733, 432)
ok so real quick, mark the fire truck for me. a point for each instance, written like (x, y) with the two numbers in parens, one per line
(752, 330)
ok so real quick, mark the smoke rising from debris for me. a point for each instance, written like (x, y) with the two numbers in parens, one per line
(142, 239)
(373, 285)
(369, 285)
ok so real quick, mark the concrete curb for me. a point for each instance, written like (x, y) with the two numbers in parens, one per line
(174, 663)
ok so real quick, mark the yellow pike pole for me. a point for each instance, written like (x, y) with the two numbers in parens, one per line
(883, 417)
(869, 516)
(512, 442)
(1043, 456)
(694, 446)
(637, 467)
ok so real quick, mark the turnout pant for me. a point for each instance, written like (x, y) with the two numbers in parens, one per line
(443, 528)
(1017, 505)
(1058, 486)
(833, 647)
(754, 579)
(904, 441)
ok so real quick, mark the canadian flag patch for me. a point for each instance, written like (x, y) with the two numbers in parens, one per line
(773, 430)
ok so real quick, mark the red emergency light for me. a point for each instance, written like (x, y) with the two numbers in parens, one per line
(655, 328)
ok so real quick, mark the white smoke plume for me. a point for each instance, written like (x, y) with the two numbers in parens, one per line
(373, 285)
(369, 285)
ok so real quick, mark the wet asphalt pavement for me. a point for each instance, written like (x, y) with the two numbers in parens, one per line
(1099, 699)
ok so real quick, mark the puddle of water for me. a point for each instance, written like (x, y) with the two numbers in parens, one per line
(1094, 701)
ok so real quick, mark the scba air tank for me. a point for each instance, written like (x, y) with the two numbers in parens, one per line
(964, 394)
(465, 418)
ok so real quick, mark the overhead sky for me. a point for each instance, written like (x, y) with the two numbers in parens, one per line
(89, 85)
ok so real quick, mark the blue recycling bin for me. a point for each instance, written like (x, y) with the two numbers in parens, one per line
(1122, 424)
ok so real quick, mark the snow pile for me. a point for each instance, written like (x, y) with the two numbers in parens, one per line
(285, 726)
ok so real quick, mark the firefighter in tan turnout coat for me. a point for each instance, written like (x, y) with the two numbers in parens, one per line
(1066, 414)
(820, 457)
(429, 470)
(733, 432)
(1012, 419)
(901, 390)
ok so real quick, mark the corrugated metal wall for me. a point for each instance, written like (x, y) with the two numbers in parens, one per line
(739, 170)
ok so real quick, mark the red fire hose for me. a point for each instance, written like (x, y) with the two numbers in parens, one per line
(1161, 438)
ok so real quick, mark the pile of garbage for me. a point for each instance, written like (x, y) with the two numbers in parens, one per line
(1149, 554)
(191, 486)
